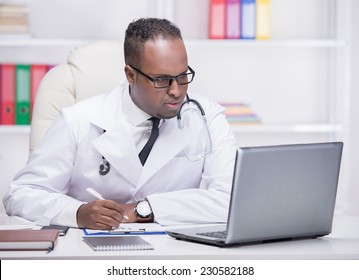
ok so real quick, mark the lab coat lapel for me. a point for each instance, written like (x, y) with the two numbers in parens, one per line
(169, 143)
(117, 146)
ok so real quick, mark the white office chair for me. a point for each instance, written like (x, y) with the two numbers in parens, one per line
(91, 69)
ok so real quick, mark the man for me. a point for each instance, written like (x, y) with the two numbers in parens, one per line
(185, 178)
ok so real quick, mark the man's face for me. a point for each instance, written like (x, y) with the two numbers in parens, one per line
(161, 58)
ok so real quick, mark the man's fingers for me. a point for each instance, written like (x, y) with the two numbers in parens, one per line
(100, 214)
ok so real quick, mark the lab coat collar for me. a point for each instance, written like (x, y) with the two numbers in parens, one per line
(117, 144)
(110, 109)
(135, 115)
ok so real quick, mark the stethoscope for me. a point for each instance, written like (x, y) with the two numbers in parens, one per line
(105, 166)
(188, 101)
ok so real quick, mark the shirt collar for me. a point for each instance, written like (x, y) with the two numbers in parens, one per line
(135, 115)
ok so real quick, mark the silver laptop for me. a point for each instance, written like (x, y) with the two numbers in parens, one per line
(278, 193)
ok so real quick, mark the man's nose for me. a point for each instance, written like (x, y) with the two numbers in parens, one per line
(174, 89)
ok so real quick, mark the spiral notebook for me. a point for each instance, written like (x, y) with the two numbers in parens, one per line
(117, 243)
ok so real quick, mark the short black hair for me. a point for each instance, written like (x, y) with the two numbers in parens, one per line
(142, 30)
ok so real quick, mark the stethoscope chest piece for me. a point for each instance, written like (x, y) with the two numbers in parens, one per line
(104, 167)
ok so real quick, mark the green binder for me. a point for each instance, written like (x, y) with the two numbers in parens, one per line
(22, 86)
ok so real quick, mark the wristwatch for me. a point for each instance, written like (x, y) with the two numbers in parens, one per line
(143, 211)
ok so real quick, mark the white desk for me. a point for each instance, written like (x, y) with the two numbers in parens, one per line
(343, 243)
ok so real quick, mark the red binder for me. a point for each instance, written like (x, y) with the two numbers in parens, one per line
(233, 19)
(217, 19)
(0, 94)
(49, 67)
(7, 90)
(38, 71)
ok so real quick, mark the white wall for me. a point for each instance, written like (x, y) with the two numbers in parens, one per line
(84, 19)
(352, 194)
(104, 19)
(14, 149)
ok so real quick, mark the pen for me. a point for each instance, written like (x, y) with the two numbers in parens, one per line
(99, 196)
(95, 193)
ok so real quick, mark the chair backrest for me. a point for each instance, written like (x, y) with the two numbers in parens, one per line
(91, 69)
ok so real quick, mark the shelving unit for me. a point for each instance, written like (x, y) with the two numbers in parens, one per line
(228, 54)
(311, 94)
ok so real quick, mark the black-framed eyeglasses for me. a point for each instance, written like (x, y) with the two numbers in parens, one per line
(166, 81)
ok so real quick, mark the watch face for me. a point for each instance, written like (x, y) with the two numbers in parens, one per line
(143, 209)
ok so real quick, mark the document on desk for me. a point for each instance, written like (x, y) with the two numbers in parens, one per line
(117, 243)
(130, 229)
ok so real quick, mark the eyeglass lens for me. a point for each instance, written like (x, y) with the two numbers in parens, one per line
(167, 82)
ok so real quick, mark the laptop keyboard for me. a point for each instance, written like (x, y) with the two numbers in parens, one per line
(215, 234)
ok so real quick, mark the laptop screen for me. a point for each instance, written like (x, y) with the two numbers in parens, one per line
(285, 191)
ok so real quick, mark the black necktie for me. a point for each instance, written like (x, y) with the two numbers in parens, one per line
(154, 134)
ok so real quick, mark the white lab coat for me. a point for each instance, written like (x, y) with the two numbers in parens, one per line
(52, 186)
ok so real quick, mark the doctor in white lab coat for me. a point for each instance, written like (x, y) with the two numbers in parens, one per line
(113, 127)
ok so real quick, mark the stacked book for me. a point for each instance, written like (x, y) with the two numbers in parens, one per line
(28, 239)
(240, 113)
(14, 20)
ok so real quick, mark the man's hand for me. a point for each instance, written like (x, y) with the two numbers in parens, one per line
(105, 214)
(99, 214)
(129, 215)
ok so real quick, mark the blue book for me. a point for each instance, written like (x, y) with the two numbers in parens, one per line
(248, 19)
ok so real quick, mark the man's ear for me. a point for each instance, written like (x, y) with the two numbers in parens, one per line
(130, 75)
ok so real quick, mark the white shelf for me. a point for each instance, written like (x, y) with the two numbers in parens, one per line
(14, 129)
(319, 43)
(37, 51)
(43, 43)
(305, 43)
(286, 128)
(237, 128)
